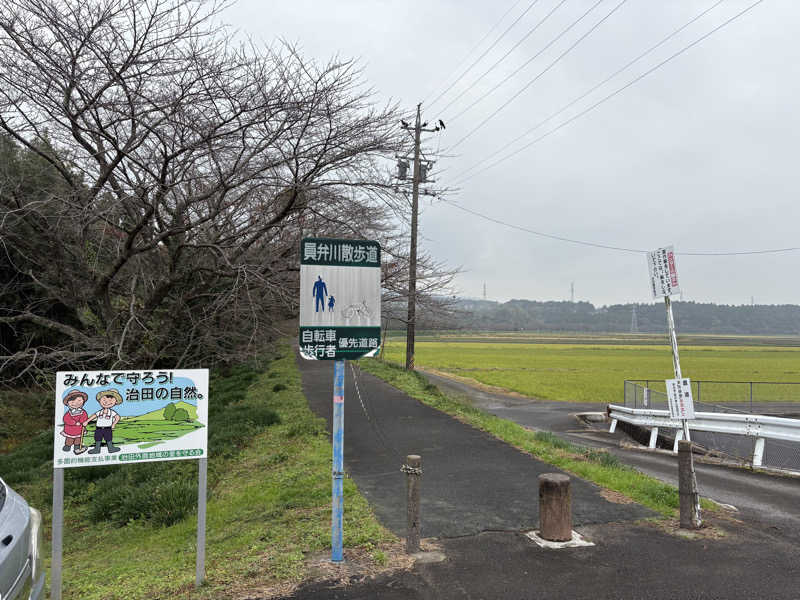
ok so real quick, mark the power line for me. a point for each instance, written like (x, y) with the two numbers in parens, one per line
(539, 233)
(485, 52)
(607, 246)
(593, 88)
(546, 69)
(478, 45)
(527, 62)
(502, 58)
(614, 93)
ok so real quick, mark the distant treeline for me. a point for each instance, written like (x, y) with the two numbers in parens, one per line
(690, 317)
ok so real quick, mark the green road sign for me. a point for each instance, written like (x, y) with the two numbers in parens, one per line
(340, 298)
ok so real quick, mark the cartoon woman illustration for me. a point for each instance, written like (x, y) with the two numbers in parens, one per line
(75, 420)
(107, 420)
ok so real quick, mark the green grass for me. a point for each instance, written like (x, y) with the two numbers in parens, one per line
(268, 505)
(595, 465)
(595, 373)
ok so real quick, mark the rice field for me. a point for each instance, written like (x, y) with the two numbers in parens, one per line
(595, 372)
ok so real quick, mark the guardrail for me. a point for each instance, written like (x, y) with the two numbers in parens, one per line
(758, 427)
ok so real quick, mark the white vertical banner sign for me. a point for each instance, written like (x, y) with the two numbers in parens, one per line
(663, 272)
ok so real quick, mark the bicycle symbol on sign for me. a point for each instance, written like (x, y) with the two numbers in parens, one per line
(357, 309)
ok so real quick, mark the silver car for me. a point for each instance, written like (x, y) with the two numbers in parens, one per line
(21, 571)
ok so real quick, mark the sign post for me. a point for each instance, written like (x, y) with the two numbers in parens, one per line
(122, 417)
(664, 283)
(340, 318)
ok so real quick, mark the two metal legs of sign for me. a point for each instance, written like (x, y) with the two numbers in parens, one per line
(58, 528)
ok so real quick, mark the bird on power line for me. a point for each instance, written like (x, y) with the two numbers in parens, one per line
(441, 124)
(404, 124)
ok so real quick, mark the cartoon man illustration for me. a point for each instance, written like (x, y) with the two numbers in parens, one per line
(331, 302)
(319, 292)
(75, 420)
(107, 420)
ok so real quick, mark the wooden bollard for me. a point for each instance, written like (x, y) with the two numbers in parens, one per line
(555, 507)
(687, 492)
(413, 471)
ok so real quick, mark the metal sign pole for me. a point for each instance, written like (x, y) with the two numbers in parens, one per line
(676, 363)
(58, 534)
(676, 360)
(202, 484)
(338, 462)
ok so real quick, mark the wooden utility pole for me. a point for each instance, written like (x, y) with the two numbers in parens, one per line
(419, 127)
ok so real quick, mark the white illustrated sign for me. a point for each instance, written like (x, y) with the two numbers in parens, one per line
(112, 417)
(679, 396)
(340, 298)
(663, 272)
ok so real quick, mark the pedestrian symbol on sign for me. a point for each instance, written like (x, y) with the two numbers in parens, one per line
(319, 292)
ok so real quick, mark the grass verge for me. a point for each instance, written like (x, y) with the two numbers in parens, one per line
(598, 466)
(268, 507)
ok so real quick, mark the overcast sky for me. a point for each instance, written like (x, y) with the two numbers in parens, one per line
(701, 154)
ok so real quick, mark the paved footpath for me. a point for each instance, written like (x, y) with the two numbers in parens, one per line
(479, 495)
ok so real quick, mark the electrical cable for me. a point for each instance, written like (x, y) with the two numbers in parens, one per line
(607, 246)
(485, 52)
(535, 79)
(478, 45)
(612, 94)
(527, 62)
(502, 58)
(590, 90)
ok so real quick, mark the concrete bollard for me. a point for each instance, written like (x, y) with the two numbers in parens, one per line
(413, 471)
(555, 507)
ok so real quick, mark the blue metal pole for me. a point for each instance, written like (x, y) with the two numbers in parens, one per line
(338, 461)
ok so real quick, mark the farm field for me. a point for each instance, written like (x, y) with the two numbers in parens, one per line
(593, 371)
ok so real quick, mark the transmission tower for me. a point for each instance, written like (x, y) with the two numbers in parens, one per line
(634, 321)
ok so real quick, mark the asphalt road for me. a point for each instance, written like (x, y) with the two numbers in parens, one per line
(768, 500)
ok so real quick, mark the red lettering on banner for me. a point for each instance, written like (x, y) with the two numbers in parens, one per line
(673, 274)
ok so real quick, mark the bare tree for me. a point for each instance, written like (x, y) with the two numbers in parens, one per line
(176, 171)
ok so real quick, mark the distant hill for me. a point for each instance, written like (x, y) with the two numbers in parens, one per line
(690, 317)
(158, 414)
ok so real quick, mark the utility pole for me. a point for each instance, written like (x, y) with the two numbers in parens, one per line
(419, 127)
(634, 321)
(572, 292)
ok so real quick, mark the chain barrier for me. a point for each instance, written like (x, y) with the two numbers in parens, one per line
(409, 470)
(376, 428)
